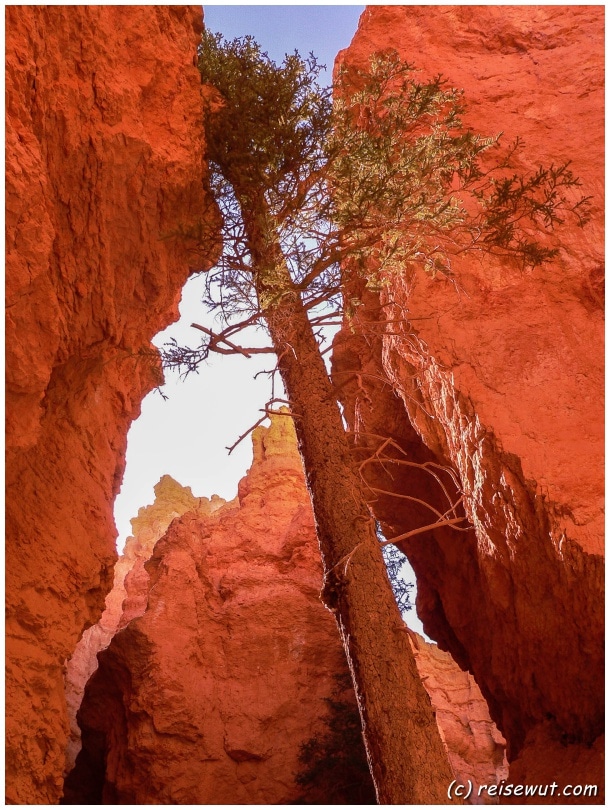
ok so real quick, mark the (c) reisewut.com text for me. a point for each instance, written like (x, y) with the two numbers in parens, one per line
(464, 790)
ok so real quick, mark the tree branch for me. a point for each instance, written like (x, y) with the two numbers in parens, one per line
(234, 348)
(439, 524)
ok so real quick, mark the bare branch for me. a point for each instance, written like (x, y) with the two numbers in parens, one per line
(267, 411)
(412, 498)
(277, 399)
(438, 525)
(234, 349)
(425, 465)
(243, 435)
(281, 413)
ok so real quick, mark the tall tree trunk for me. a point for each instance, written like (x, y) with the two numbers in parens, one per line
(407, 758)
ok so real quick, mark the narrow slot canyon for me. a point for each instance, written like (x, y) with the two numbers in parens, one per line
(199, 665)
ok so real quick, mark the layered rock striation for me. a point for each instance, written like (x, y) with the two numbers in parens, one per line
(104, 144)
(475, 747)
(497, 372)
(208, 696)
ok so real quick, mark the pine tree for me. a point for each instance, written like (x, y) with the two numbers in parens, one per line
(313, 193)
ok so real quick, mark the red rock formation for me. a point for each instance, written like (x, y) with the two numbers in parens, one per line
(475, 747)
(498, 372)
(208, 696)
(104, 159)
(127, 599)
(104, 145)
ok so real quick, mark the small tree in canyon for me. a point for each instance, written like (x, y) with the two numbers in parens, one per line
(320, 200)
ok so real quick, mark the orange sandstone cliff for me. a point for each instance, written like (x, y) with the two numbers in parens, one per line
(104, 144)
(475, 748)
(127, 599)
(498, 372)
(209, 695)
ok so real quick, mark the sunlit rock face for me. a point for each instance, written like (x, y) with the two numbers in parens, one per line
(475, 747)
(497, 371)
(127, 599)
(104, 146)
(209, 695)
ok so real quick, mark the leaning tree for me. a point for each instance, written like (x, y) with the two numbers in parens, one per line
(313, 194)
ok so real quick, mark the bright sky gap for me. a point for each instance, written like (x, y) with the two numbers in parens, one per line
(187, 435)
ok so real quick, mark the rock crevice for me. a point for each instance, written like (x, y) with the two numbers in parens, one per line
(208, 696)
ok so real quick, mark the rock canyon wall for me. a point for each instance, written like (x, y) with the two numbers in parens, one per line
(208, 697)
(498, 372)
(104, 144)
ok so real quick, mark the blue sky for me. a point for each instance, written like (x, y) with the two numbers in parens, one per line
(325, 30)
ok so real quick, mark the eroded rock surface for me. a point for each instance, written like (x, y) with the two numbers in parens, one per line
(208, 696)
(104, 144)
(499, 374)
(476, 749)
(497, 371)
(127, 599)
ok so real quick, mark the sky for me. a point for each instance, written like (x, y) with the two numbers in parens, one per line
(187, 435)
(323, 29)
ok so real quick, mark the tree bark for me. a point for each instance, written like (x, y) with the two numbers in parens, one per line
(407, 758)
